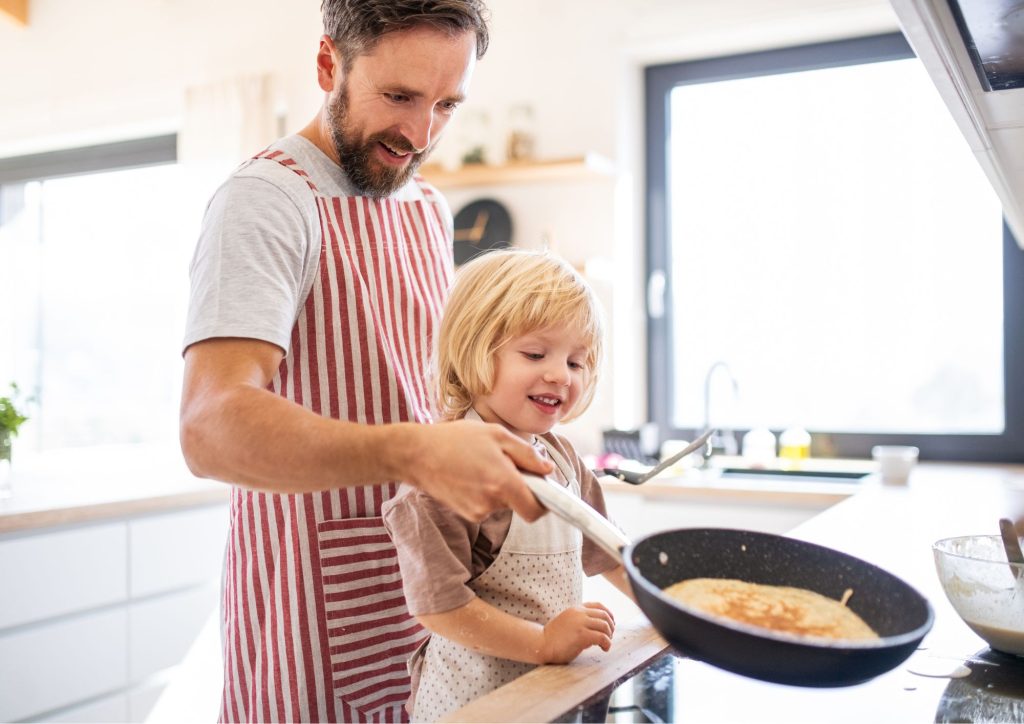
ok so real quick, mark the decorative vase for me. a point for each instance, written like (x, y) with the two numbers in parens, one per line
(5, 464)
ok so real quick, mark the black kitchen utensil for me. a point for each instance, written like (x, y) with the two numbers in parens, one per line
(897, 612)
(1011, 544)
(635, 478)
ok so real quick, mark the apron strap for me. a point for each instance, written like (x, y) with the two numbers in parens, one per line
(566, 469)
(556, 457)
(289, 163)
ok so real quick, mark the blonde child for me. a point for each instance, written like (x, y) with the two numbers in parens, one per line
(519, 345)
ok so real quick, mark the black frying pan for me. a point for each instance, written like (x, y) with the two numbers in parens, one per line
(899, 614)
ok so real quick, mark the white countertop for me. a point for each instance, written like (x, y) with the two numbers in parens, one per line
(76, 485)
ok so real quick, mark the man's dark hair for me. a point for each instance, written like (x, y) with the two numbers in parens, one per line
(356, 26)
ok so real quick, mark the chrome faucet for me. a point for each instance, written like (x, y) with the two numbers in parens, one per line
(723, 441)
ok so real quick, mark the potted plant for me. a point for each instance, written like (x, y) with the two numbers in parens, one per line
(10, 420)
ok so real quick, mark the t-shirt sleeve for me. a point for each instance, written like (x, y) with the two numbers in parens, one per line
(255, 258)
(434, 551)
(595, 559)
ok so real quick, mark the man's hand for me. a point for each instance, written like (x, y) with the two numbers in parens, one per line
(234, 429)
(473, 467)
(576, 629)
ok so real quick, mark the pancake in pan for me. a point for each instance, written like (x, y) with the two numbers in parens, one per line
(784, 609)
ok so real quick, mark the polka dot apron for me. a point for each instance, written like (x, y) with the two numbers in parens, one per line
(537, 574)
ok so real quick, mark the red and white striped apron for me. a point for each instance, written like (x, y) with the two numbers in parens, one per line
(315, 623)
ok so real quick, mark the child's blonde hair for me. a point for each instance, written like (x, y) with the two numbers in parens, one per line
(501, 295)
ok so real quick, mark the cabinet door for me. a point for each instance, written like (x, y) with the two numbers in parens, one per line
(162, 629)
(142, 699)
(52, 573)
(177, 550)
(49, 667)
(108, 709)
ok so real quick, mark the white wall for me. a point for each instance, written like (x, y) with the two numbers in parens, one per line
(110, 69)
(105, 69)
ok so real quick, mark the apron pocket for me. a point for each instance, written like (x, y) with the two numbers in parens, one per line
(370, 632)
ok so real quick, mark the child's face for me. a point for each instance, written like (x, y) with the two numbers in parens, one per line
(538, 379)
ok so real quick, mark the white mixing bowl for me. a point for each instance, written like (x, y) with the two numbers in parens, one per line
(986, 590)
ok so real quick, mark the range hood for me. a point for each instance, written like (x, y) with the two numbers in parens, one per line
(974, 52)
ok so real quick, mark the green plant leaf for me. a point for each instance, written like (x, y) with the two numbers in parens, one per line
(10, 417)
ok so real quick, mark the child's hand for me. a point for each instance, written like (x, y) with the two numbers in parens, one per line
(575, 629)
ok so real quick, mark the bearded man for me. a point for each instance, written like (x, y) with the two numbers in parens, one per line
(318, 279)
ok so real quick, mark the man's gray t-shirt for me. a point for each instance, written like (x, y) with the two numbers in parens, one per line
(259, 246)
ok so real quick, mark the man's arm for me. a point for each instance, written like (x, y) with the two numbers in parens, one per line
(234, 429)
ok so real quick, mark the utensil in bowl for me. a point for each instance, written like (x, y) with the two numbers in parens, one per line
(1011, 543)
(985, 589)
(899, 614)
(635, 478)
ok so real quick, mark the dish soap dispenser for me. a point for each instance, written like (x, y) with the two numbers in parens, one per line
(794, 445)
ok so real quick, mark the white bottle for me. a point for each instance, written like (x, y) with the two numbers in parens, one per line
(759, 448)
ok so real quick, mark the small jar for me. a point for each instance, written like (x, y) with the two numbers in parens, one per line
(521, 144)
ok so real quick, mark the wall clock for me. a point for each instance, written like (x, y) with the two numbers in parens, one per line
(480, 226)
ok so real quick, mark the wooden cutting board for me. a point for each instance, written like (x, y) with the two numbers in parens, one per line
(549, 691)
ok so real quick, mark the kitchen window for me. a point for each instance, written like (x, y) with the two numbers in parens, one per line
(817, 223)
(94, 248)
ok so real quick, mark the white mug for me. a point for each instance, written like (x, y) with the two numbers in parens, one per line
(895, 462)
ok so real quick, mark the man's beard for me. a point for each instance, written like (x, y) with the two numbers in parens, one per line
(356, 154)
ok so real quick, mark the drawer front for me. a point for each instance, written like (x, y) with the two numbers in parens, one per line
(114, 708)
(59, 572)
(55, 665)
(161, 630)
(177, 550)
(141, 701)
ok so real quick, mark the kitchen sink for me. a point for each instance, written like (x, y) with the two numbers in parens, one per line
(818, 476)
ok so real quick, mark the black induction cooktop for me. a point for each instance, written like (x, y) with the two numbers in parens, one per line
(993, 692)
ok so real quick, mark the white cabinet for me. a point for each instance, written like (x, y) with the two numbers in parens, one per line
(59, 572)
(93, 618)
(107, 709)
(161, 629)
(142, 699)
(52, 666)
(175, 550)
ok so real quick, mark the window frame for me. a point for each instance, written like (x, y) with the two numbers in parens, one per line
(136, 153)
(115, 156)
(659, 81)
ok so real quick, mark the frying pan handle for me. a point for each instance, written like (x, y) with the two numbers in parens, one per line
(572, 509)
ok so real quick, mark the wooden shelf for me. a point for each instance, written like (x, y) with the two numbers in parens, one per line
(16, 10)
(579, 168)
